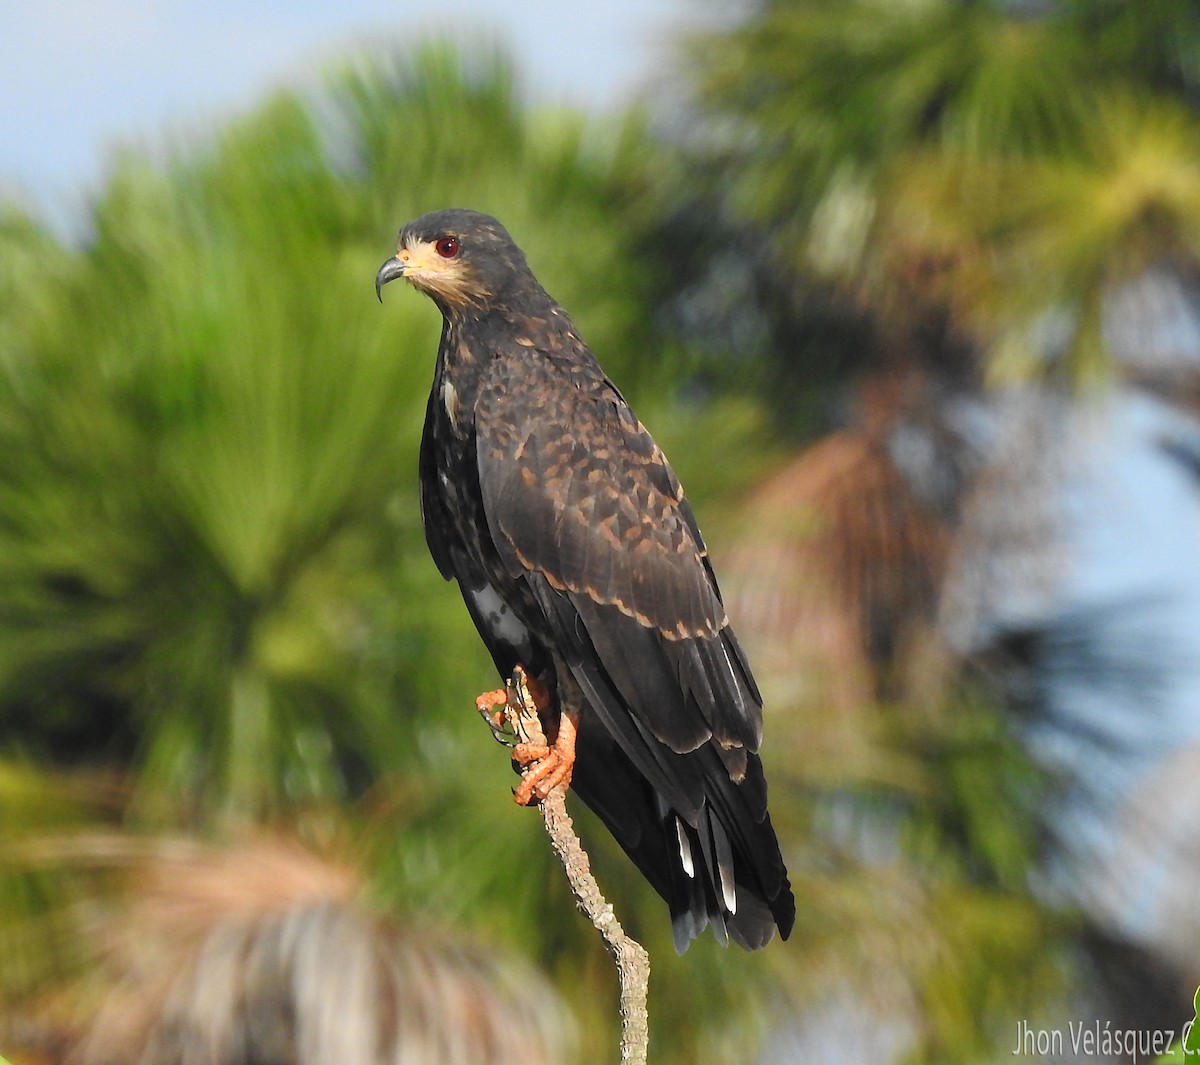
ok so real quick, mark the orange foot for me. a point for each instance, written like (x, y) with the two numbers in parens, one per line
(493, 708)
(546, 767)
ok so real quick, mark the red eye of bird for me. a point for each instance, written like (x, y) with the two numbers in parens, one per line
(447, 247)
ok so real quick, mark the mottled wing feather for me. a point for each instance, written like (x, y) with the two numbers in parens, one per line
(646, 793)
(587, 516)
(575, 486)
(679, 779)
(576, 491)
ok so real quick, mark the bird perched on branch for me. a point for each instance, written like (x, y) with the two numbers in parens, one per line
(580, 562)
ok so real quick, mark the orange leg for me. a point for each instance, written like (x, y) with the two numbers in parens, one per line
(544, 767)
(493, 708)
(496, 697)
(547, 767)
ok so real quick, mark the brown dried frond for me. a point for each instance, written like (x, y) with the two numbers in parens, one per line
(265, 953)
(841, 565)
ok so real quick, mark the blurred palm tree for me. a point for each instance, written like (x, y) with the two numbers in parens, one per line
(267, 950)
(214, 594)
(947, 218)
(949, 183)
(213, 581)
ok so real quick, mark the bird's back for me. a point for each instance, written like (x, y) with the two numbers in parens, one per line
(589, 541)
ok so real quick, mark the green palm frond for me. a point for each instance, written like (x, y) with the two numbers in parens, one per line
(977, 164)
(1039, 245)
(212, 572)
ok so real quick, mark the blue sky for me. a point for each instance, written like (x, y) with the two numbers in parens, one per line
(78, 77)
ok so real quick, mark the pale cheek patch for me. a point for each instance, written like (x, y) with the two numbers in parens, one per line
(448, 279)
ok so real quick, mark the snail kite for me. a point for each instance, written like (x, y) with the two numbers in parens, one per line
(579, 560)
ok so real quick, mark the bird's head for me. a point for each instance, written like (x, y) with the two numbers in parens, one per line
(462, 259)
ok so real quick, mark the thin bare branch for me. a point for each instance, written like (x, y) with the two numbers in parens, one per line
(632, 961)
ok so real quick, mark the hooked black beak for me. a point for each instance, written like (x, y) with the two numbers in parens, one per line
(389, 271)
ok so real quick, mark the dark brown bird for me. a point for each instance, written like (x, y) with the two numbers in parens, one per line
(579, 560)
